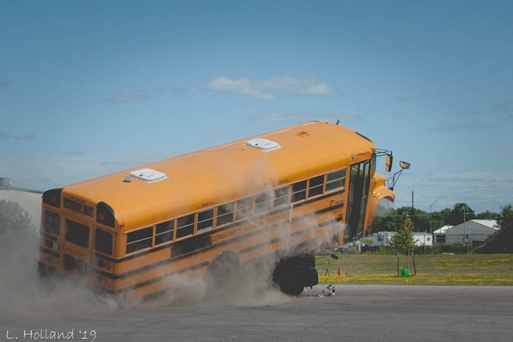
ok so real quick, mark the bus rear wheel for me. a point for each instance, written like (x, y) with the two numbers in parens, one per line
(223, 273)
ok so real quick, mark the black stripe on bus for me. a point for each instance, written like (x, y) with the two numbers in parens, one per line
(48, 236)
(206, 248)
(47, 251)
(185, 255)
(162, 277)
(201, 250)
(276, 212)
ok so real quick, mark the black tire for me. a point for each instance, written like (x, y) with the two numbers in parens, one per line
(223, 273)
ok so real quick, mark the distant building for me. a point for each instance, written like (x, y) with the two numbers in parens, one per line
(471, 231)
(384, 238)
(439, 234)
(30, 200)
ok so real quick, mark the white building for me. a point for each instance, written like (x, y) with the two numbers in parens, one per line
(470, 231)
(30, 200)
(439, 234)
(419, 239)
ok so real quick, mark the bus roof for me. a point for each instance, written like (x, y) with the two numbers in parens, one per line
(224, 173)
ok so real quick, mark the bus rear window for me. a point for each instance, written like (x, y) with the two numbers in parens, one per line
(139, 239)
(103, 241)
(77, 233)
(51, 222)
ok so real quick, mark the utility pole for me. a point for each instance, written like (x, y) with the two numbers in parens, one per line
(465, 226)
(412, 204)
(431, 216)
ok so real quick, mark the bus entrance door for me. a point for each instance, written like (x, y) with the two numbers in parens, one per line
(76, 251)
(357, 200)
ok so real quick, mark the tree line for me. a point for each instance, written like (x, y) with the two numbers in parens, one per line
(389, 219)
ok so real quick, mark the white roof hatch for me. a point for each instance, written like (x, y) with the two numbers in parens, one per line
(149, 175)
(263, 145)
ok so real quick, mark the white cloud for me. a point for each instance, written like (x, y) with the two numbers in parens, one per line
(272, 87)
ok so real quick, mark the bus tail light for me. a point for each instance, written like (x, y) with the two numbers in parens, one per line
(104, 264)
(51, 244)
(52, 197)
(105, 214)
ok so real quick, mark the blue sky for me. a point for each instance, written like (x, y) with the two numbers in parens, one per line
(92, 87)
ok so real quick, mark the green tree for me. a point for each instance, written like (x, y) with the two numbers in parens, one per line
(505, 219)
(14, 219)
(487, 215)
(402, 240)
(420, 218)
(382, 219)
(460, 212)
(440, 218)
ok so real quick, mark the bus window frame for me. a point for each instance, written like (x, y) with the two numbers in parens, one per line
(283, 205)
(343, 187)
(233, 213)
(251, 208)
(59, 222)
(197, 230)
(194, 215)
(305, 191)
(316, 186)
(112, 243)
(165, 232)
(65, 233)
(142, 249)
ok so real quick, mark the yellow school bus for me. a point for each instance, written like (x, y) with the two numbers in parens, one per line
(283, 193)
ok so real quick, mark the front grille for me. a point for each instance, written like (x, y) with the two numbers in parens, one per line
(74, 265)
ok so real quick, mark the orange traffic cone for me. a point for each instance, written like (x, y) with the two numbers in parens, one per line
(339, 271)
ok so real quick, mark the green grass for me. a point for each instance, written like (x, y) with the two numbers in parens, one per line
(438, 269)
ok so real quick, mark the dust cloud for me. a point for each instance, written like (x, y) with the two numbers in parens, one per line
(23, 295)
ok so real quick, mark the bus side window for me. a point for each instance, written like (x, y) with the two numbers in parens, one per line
(263, 203)
(316, 186)
(185, 226)
(244, 208)
(224, 214)
(164, 232)
(281, 197)
(103, 241)
(298, 191)
(139, 239)
(336, 180)
(205, 219)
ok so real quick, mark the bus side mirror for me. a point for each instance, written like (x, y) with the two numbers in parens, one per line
(404, 165)
(388, 166)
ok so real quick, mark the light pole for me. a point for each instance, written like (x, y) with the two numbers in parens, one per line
(431, 217)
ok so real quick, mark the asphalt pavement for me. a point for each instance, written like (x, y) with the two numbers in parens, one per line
(354, 313)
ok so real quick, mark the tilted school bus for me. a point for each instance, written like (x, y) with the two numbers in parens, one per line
(282, 193)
